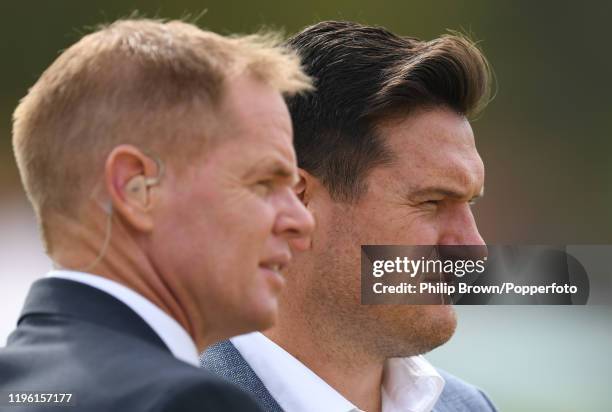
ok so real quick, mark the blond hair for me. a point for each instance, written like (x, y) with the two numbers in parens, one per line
(137, 82)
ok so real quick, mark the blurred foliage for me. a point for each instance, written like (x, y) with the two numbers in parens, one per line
(545, 139)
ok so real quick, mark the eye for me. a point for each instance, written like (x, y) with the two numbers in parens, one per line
(431, 203)
(263, 188)
(430, 206)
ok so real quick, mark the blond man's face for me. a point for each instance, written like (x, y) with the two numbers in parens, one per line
(229, 220)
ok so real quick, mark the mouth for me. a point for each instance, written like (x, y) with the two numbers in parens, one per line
(273, 270)
(276, 262)
(273, 267)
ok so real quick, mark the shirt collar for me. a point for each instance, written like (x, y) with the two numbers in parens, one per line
(409, 384)
(169, 330)
(294, 387)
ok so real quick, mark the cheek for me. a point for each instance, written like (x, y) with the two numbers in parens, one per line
(237, 241)
(221, 236)
(397, 227)
(420, 230)
(244, 236)
(336, 249)
(254, 221)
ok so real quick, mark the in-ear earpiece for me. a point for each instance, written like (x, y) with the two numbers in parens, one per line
(136, 189)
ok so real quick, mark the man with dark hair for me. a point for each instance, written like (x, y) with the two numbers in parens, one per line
(386, 156)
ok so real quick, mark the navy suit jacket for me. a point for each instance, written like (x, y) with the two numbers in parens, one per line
(73, 338)
(226, 361)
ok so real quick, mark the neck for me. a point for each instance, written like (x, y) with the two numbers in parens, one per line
(123, 261)
(345, 366)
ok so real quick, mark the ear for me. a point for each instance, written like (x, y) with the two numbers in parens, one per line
(129, 176)
(306, 186)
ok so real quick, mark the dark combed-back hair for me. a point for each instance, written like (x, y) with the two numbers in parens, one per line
(363, 75)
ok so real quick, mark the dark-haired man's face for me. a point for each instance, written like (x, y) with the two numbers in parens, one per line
(422, 198)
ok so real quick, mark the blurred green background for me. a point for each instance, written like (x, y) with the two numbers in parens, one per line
(546, 140)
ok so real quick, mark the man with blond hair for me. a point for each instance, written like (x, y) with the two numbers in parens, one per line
(159, 161)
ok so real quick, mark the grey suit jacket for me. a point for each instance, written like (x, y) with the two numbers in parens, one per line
(226, 361)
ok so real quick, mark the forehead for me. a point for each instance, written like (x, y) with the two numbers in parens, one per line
(254, 117)
(432, 147)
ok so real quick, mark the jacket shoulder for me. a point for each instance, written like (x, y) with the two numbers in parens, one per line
(172, 385)
(136, 375)
(460, 396)
(203, 392)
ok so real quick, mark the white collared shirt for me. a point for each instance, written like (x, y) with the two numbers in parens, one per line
(409, 384)
(169, 330)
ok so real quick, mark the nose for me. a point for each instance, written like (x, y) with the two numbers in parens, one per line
(294, 222)
(459, 227)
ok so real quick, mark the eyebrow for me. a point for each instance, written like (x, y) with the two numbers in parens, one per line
(273, 167)
(440, 191)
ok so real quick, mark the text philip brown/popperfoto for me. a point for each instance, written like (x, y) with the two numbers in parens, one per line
(422, 269)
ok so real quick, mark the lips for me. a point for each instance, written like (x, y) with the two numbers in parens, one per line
(276, 263)
(275, 267)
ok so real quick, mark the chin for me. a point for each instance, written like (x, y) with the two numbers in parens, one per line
(415, 330)
(261, 316)
(442, 321)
